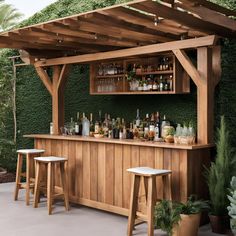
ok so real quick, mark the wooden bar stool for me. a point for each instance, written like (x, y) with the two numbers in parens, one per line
(149, 175)
(50, 163)
(30, 154)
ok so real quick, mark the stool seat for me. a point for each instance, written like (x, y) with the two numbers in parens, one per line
(50, 163)
(50, 159)
(147, 171)
(29, 154)
(30, 151)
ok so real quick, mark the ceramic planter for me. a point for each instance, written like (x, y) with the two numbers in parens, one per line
(188, 225)
(219, 224)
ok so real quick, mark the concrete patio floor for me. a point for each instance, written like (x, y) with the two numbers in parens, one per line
(17, 219)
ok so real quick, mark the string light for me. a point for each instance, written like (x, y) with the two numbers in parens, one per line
(156, 20)
(95, 36)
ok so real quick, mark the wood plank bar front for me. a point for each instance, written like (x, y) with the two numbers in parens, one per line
(98, 176)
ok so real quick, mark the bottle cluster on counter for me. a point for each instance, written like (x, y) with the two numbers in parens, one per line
(149, 128)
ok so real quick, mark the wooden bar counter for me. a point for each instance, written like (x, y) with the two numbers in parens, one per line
(97, 167)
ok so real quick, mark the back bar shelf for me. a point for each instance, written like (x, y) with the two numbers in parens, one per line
(160, 74)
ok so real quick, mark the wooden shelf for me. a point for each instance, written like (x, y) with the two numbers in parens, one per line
(132, 93)
(109, 76)
(180, 79)
(160, 72)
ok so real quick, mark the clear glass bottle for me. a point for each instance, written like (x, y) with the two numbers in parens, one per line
(51, 128)
(85, 127)
(137, 120)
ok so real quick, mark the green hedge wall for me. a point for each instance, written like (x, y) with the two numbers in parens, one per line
(34, 102)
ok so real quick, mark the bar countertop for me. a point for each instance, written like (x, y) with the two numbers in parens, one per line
(118, 141)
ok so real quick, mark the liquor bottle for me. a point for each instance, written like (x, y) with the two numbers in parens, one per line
(152, 123)
(76, 128)
(161, 86)
(164, 123)
(105, 126)
(157, 132)
(100, 117)
(137, 120)
(123, 128)
(85, 126)
(146, 121)
(92, 127)
(96, 127)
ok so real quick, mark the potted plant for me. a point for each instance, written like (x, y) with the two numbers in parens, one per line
(218, 179)
(232, 207)
(190, 214)
(178, 219)
(166, 215)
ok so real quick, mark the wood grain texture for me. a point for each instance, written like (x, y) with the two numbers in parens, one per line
(98, 176)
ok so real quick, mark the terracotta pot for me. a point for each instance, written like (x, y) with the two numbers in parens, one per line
(188, 225)
(219, 224)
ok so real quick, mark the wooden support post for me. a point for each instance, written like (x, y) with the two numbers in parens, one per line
(205, 97)
(56, 87)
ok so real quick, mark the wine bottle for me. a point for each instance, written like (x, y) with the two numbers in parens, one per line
(137, 120)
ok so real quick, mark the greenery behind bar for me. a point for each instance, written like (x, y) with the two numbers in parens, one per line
(34, 102)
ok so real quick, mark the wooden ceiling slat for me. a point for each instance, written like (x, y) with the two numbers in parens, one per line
(123, 26)
(45, 34)
(183, 18)
(95, 27)
(212, 6)
(131, 40)
(145, 20)
(112, 21)
(208, 15)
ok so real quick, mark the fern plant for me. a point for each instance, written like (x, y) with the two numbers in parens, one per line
(167, 214)
(193, 206)
(220, 172)
(232, 207)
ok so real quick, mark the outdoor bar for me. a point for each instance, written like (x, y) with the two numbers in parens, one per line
(153, 41)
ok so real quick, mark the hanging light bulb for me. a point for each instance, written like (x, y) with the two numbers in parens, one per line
(156, 21)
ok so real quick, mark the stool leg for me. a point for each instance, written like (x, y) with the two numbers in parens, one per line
(150, 205)
(133, 203)
(145, 179)
(37, 184)
(167, 188)
(64, 184)
(27, 196)
(18, 176)
(49, 188)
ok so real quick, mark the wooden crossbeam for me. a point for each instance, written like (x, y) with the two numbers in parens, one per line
(208, 15)
(56, 87)
(63, 76)
(137, 51)
(188, 66)
(45, 79)
(184, 18)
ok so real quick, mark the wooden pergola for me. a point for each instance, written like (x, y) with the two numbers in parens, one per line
(137, 28)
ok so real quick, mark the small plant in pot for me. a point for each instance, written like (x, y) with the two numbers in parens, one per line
(232, 207)
(167, 215)
(178, 219)
(190, 214)
(218, 179)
